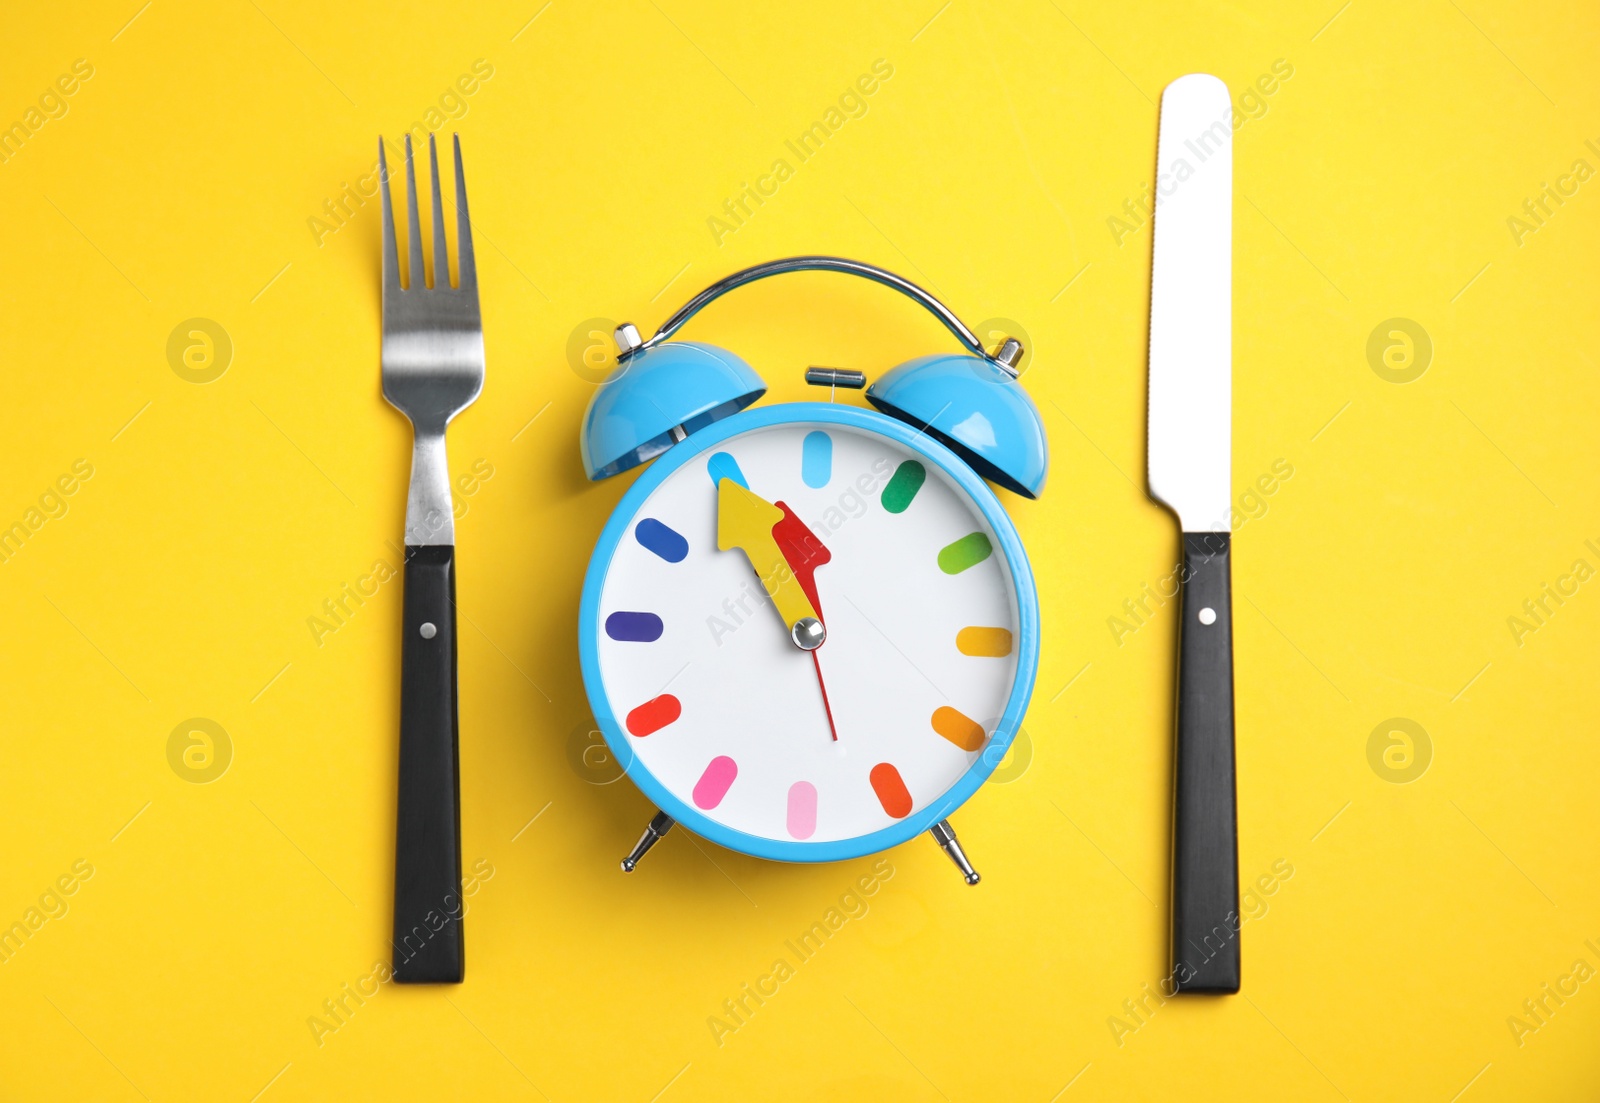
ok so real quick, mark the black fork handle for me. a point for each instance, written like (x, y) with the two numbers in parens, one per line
(428, 907)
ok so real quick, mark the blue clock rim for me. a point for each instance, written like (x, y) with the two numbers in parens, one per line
(616, 529)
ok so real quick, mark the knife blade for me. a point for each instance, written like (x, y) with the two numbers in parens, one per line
(1189, 465)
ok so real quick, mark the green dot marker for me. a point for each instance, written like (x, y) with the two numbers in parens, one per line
(903, 486)
(969, 551)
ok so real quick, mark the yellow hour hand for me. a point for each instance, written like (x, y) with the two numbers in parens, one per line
(744, 521)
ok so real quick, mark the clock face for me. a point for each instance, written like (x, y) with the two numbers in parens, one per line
(701, 687)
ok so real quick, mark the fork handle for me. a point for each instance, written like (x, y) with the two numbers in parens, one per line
(428, 906)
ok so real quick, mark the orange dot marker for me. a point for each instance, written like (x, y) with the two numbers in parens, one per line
(959, 728)
(891, 790)
(991, 643)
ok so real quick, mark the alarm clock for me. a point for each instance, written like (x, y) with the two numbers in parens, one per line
(809, 631)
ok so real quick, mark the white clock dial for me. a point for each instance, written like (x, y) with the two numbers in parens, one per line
(717, 702)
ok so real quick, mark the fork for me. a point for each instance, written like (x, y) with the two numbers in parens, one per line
(432, 370)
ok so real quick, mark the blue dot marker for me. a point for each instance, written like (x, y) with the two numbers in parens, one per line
(665, 542)
(816, 459)
(634, 627)
(723, 466)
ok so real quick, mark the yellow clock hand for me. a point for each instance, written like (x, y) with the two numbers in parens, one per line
(744, 521)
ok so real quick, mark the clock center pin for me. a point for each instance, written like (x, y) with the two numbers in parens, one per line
(808, 633)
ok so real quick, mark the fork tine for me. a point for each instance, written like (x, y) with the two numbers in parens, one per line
(391, 256)
(466, 264)
(416, 274)
(441, 254)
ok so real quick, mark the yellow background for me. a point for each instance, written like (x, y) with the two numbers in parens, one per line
(1377, 584)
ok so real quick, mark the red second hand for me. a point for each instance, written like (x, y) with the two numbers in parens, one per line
(822, 686)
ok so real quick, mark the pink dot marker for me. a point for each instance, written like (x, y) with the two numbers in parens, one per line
(802, 809)
(713, 784)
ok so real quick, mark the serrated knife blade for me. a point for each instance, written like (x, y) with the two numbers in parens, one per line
(1191, 438)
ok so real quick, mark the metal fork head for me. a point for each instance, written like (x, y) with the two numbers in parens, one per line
(432, 336)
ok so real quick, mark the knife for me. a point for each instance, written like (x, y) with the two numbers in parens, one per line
(1190, 440)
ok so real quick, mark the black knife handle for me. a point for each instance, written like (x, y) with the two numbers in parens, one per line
(428, 908)
(1205, 848)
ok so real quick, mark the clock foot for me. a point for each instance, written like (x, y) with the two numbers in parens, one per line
(658, 827)
(945, 836)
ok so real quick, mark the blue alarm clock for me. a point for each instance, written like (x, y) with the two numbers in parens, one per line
(809, 631)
